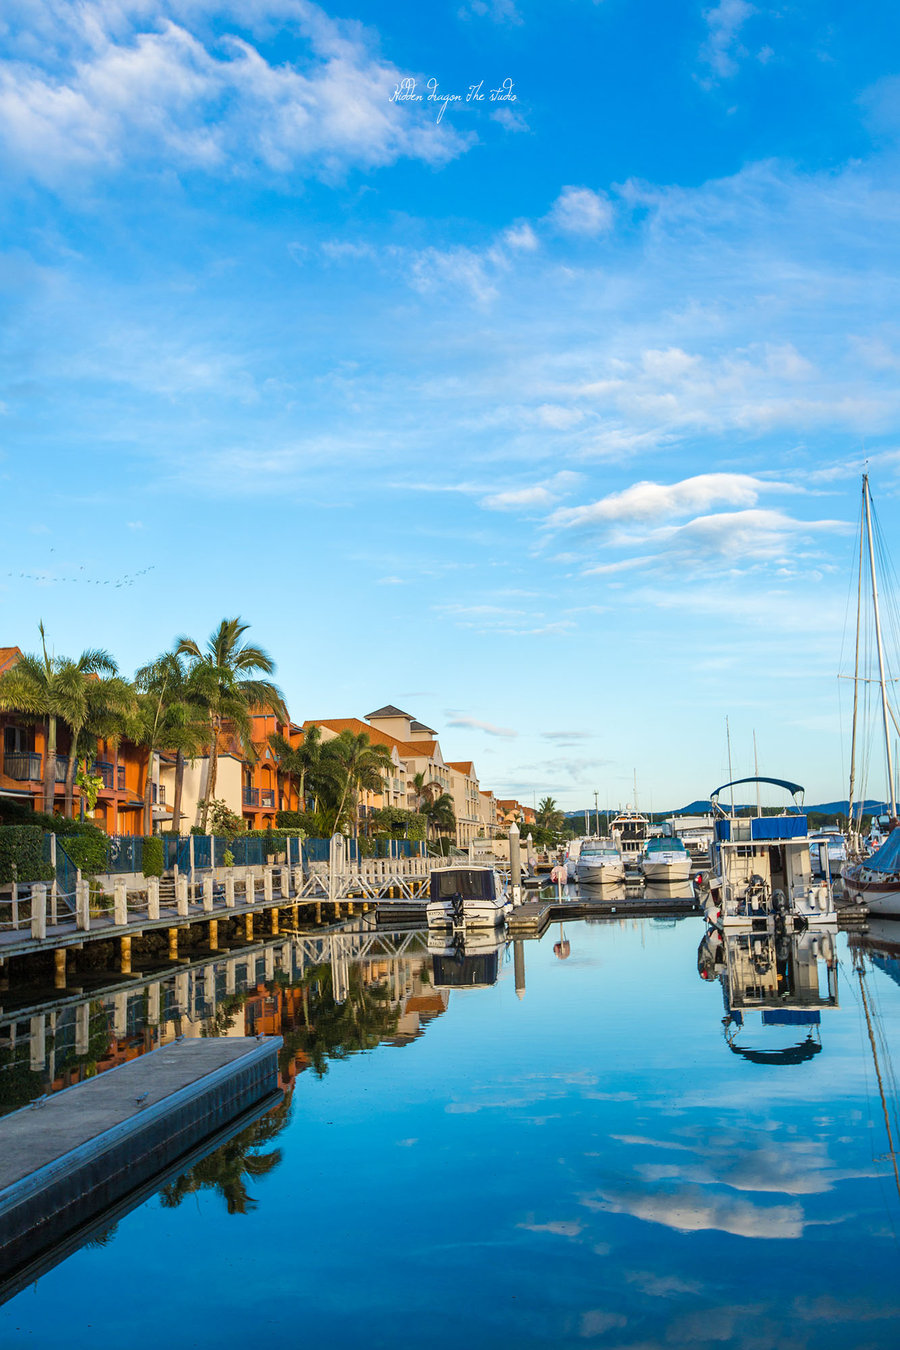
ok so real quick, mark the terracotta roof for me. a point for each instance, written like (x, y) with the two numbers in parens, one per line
(462, 766)
(8, 657)
(355, 725)
(390, 711)
(487, 793)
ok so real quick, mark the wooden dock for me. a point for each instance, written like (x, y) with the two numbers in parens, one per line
(110, 1141)
(531, 918)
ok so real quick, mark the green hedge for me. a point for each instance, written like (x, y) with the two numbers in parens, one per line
(153, 856)
(88, 848)
(22, 854)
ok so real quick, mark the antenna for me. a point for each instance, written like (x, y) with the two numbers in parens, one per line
(730, 769)
(756, 771)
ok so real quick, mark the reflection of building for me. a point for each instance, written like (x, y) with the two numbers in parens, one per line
(293, 987)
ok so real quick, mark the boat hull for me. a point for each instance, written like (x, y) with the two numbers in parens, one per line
(607, 874)
(466, 914)
(677, 869)
(879, 896)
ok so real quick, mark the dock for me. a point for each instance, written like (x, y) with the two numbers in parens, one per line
(531, 918)
(105, 1144)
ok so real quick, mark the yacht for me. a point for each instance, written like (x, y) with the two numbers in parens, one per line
(829, 862)
(629, 830)
(665, 859)
(466, 897)
(761, 876)
(599, 864)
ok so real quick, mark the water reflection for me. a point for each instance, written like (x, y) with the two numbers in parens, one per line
(787, 980)
(592, 1145)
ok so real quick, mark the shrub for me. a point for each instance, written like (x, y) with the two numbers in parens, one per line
(153, 856)
(228, 858)
(88, 848)
(22, 854)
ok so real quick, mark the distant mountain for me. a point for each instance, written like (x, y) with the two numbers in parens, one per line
(700, 807)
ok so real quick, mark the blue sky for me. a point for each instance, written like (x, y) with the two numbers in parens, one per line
(543, 418)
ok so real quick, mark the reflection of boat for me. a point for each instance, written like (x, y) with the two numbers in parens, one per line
(761, 877)
(464, 897)
(599, 864)
(465, 961)
(669, 890)
(787, 980)
(665, 859)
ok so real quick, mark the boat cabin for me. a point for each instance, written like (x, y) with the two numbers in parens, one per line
(466, 883)
(629, 830)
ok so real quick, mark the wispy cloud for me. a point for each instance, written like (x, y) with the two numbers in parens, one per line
(722, 49)
(474, 724)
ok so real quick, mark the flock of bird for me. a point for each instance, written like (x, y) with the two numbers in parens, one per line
(128, 579)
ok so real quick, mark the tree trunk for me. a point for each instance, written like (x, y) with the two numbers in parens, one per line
(71, 768)
(50, 766)
(179, 785)
(211, 775)
(148, 792)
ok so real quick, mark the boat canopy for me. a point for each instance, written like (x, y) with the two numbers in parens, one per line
(792, 788)
(887, 858)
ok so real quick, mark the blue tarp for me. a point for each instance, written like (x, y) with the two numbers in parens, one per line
(778, 827)
(887, 858)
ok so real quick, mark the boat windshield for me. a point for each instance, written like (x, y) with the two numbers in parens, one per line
(598, 851)
(666, 843)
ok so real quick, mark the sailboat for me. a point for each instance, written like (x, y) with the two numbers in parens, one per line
(874, 880)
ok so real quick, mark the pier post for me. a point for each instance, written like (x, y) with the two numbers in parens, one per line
(173, 944)
(515, 864)
(250, 889)
(519, 967)
(59, 963)
(318, 911)
(213, 935)
(125, 954)
(39, 911)
(152, 898)
(248, 927)
(38, 1043)
(270, 963)
(295, 916)
(207, 894)
(285, 873)
(229, 890)
(153, 1004)
(83, 905)
(120, 1014)
(273, 913)
(267, 885)
(298, 880)
(181, 897)
(230, 976)
(120, 907)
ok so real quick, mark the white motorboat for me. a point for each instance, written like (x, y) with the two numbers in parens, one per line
(827, 863)
(573, 851)
(466, 897)
(599, 864)
(761, 878)
(665, 859)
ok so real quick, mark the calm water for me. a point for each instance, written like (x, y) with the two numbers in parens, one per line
(603, 1156)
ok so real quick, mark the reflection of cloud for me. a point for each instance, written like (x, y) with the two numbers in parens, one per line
(661, 1286)
(690, 1209)
(559, 1227)
(597, 1322)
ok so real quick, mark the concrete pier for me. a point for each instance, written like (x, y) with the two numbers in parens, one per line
(72, 1157)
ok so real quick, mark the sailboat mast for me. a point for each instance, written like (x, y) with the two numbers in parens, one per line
(850, 828)
(730, 769)
(884, 702)
(756, 771)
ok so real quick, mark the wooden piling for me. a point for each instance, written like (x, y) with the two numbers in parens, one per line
(125, 954)
(248, 927)
(214, 935)
(173, 944)
(59, 960)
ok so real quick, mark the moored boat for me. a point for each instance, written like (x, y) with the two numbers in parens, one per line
(599, 864)
(761, 878)
(466, 897)
(629, 830)
(665, 859)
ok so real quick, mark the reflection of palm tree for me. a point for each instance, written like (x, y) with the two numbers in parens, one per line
(334, 1030)
(225, 1169)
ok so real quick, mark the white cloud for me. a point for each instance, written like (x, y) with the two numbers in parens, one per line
(473, 724)
(579, 211)
(649, 501)
(120, 84)
(521, 237)
(722, 47)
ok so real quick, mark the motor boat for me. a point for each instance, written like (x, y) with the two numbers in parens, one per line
(466, 897)
(828, 852)
(665, 859)
(761, 877)
(599, 864)
(629, 830)
(465, 960)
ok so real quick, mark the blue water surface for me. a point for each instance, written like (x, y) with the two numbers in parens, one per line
(587, 1160)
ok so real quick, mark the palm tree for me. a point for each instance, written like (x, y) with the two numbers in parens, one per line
(170, 715)
(226, 677)
(308, 762)
(51, 689)
(440, 815)
(424, 792)
(362, 768)
(548, 814)
(99, 707)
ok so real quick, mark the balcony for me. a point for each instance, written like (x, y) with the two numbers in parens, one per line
(250, 796)
(267, 798)
(113, 775)
(158, 794)
(22, 766)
